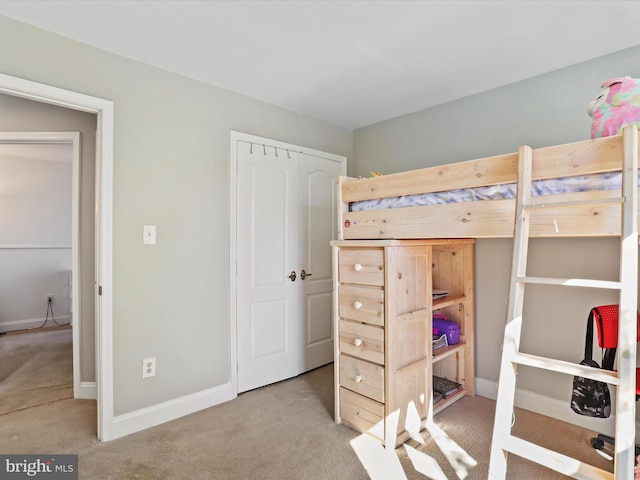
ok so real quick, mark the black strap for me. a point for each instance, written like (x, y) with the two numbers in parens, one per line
(588, 344)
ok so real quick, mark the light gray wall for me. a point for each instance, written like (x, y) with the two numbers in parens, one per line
(35, 235)
(35, 199)
(171, 169)
(546, 110)
(21, 115)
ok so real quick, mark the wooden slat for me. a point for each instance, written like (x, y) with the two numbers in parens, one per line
(579, 158)
(555, 365)
(572, 282)
(555, 461)
(399, 242)
(547, 201)
(485, 219)
(473, 173)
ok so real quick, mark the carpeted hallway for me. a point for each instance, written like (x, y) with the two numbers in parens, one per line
(282, 431)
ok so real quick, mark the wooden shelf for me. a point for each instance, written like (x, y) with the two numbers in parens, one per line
(442, 404)
(448, 301)
(444, 352)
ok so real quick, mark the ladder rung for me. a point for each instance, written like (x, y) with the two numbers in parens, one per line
(541, 202)
(554, 460)
(572, 282)
(561, 366)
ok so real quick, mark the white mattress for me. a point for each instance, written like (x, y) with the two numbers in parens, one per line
(603, 181)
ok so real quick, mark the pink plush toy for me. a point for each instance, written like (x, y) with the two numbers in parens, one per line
(617, 105)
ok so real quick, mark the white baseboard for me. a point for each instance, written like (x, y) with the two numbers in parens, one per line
(33, 323)
(164, 412)
(551, 407)
(87, 391)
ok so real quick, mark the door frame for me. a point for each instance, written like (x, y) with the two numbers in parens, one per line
(263, 142)
(103, 109)
(72, 138)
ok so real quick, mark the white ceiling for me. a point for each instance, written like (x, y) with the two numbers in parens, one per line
(351, 63)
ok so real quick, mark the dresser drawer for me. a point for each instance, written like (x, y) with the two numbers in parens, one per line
(362, 341)
(363, 266)
(364, 304)
(362, 377)
(362, 413)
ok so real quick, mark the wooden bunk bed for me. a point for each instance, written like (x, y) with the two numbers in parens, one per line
(365, 309)
(486, 218)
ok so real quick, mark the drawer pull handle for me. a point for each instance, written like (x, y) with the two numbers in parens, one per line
(357, 305)
(357, 267)
(358, 378)
(357, 342)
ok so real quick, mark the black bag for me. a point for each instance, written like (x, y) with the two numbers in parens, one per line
(590, 397)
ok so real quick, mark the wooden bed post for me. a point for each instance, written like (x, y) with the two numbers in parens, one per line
(341, 207)
(627, 326)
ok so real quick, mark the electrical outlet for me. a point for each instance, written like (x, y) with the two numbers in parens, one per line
(149, 367)
(49, 297)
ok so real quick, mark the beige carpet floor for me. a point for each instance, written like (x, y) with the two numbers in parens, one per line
(35, 368)
(282, 431)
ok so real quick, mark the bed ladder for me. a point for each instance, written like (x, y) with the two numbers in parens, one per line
(503, 442)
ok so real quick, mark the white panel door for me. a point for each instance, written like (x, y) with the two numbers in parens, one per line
(318, 198)
(285, 220)
(270, 304)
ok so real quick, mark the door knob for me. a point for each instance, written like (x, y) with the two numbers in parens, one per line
(292, 277)
(304, 274)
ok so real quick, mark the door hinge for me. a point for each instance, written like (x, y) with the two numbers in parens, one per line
(100, 290)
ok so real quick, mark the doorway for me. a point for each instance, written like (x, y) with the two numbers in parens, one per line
(51, 235)
(103, 109)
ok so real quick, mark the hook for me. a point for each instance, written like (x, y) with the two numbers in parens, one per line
(276, 149)
(288, 154)
(251, 149)
(264, 149)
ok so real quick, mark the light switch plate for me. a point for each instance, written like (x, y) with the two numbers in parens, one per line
(149, 234)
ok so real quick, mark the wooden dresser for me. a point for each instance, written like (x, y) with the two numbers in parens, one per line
(383, 308)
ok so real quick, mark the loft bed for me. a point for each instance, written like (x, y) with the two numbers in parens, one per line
(588, 170)
(594, 169)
